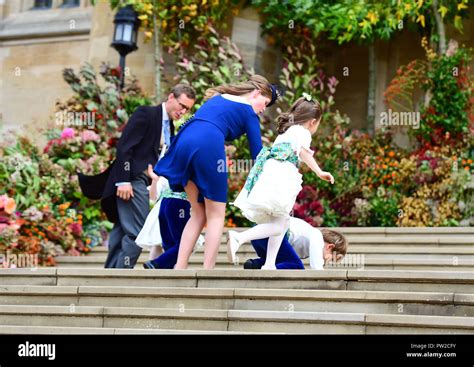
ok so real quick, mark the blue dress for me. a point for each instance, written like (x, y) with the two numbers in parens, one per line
(197, 152)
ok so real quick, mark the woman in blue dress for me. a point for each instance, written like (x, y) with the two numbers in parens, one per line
(196, 160)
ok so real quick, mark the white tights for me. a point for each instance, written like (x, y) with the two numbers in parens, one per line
(275, 231)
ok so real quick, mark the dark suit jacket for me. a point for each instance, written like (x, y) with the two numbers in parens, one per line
(138, 146)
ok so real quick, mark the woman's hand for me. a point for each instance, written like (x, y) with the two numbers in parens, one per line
(326, 176)
(152, 174)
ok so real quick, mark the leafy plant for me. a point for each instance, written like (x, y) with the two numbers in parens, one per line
(179, 22)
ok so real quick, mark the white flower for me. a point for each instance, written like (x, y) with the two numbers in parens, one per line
(33, 214)
(307, 96)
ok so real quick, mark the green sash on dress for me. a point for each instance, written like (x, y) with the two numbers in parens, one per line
(281, 152)
(168, 193)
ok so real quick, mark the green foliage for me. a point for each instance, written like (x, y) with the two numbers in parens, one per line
(450, 82)
(214, 61)
(179, 23)
(52, 215)
(353, 20)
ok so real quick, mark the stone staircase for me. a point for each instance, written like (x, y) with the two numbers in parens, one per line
(412, 280)
(370, 248)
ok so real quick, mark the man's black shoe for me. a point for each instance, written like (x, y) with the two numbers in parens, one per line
(250, 264)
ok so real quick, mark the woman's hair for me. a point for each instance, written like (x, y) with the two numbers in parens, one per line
(255, 82)
(300, 112)
(336, 238)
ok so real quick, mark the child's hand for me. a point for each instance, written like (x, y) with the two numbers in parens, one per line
(326, 176)
(152, 174)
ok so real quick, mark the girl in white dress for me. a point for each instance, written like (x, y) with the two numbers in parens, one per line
(274, 182)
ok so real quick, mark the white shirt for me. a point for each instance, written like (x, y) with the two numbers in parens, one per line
(163, 118)
(307, 241)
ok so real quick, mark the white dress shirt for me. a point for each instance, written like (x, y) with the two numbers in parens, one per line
(307, 241)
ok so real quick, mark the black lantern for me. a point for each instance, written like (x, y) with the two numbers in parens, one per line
(125, 35)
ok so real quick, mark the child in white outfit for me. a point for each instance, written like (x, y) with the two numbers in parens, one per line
(274, 182)
(321, 245)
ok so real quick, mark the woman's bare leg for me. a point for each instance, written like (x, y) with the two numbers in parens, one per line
(193, 228)
(215, 214)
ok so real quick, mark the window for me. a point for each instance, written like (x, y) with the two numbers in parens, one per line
(42, 4)
(70, 3)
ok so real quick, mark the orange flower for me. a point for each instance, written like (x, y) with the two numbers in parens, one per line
(384, 166)
(469, 161)
(79, 217)
(391, 154)
(466, 168)
(10, 206)
(68, 220)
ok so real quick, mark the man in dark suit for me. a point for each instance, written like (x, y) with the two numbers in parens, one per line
(123, 186)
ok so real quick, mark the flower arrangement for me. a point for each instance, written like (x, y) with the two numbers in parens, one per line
(50, 216)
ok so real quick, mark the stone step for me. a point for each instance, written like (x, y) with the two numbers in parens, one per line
(374, 258)
(68, 330)
(344, 323)
(366, 280)
(394, 231)
(436, 242)
(412, 240)
(462, 249)
(232, 320)
(367, 267)
(421, 303)
(441, 259)
(440, 262)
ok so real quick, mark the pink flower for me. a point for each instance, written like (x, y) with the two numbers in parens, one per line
(67, 133)
(299, 210)
(316, 206)
(310, 220)
(76, 229)
(88, 135)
